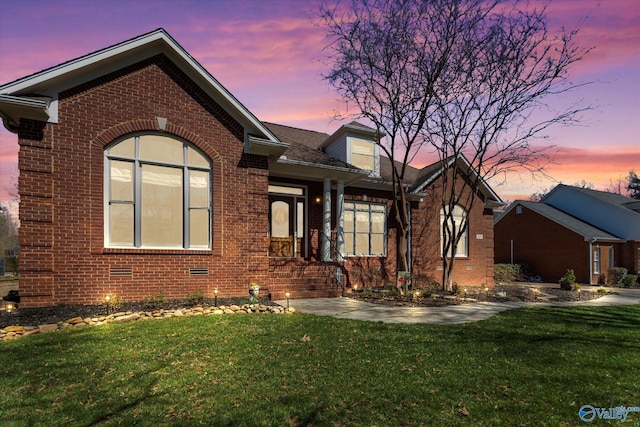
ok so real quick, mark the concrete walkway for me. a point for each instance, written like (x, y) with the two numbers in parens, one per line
(347, 308)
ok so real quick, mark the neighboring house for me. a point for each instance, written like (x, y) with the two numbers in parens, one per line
(140, 175)
(575, 228)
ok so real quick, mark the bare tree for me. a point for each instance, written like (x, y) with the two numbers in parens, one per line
(9, 245)
(633, 185)
(464, 78)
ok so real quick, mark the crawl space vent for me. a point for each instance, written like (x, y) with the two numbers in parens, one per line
(199, 271)
(120, 272)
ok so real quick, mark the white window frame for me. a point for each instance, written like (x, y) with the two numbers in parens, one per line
(138, 163)
(301, 229)
(352, 206)
(596, 260)
(375, 156)
(462, 249)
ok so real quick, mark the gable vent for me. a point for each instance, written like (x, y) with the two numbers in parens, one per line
(199, 271)
(120, 272)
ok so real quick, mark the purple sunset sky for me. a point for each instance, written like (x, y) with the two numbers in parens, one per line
(268, 54)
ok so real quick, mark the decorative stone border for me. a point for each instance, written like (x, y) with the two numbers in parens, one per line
(13, 332)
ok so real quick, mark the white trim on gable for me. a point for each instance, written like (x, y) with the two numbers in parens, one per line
(52, 81)
(486, 188)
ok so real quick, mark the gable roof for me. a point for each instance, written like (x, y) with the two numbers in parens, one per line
(430, 173)
(611, 212)
(36, 96)
(589, 232)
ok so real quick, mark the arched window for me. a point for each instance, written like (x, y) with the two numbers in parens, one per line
(454, 222)
(157, 194)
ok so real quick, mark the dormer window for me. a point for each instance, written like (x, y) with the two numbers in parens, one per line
(355, 144)
(364, 155)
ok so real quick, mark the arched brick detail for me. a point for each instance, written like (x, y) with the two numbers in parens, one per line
(142, 125)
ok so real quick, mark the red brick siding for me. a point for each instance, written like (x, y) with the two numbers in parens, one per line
(61, 182)
(549, 248)
(474, 270)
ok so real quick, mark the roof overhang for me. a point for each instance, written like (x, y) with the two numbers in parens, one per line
(464, 165)
(354, 129)
(296, 169)
(14, 108)
(265, 147)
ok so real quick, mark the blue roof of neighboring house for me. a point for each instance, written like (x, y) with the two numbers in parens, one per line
(616, 214)
(572, 223)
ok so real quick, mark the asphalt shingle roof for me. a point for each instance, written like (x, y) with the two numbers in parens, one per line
(572, 223)
(303, 145)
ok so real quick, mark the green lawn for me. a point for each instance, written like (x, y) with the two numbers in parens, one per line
(534, 366)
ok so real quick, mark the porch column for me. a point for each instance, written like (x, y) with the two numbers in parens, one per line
(340, 220)
(326, 221)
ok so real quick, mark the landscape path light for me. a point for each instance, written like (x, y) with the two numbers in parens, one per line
(215, 297)
(287, 295)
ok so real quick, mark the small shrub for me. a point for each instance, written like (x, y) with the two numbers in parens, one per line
(508, 273)
(114, 302)
(195, 297)
(615, 275)
(568, 281)
(155, 300)
(430, 290)
(629, 280)
(505, 273)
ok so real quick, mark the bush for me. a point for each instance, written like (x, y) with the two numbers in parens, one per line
(629, 280)
(615, 275)
(507, 273)
(196, 297)
(568, 281)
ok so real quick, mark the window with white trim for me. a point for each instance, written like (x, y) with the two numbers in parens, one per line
(157, 194)
(455, 221)
(365, 229)
(596, 260)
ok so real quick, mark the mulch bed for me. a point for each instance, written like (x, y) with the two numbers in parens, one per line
(477, 294)
(44, 315)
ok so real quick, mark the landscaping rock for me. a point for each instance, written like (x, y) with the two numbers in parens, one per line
(16, 331)
(127, 317)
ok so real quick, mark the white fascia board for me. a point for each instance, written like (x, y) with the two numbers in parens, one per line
(265, 147)
(483, 184)
(13, 108)
(284, 167)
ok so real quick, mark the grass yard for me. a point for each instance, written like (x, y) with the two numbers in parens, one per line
(534, 366)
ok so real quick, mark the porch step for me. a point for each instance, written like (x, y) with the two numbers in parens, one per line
(302, 279)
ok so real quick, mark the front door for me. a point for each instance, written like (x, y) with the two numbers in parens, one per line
(286, 225)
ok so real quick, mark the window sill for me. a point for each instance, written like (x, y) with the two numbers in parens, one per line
(151, 251)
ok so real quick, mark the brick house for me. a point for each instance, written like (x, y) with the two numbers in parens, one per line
(575, 228)
(141, 175)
